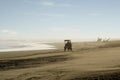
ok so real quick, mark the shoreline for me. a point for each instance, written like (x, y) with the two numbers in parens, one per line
(30, 47)
(25, 49)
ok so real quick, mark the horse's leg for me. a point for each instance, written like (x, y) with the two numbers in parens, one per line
(68, 49)
(71, 49)
(64, 48)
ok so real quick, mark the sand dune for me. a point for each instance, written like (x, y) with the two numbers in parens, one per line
(88, 61)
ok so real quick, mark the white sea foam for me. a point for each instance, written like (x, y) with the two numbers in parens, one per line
(27, 47)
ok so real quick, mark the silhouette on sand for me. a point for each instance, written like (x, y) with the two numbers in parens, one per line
(68, 45)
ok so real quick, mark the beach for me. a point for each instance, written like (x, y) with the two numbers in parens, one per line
(87, 61)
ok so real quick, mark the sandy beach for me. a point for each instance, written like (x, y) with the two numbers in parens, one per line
(87, 61)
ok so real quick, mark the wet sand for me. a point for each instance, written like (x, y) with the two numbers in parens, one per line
(88, 61)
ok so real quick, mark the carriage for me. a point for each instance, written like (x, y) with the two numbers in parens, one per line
(68, 45)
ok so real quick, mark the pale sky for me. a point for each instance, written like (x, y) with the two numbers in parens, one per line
(59, 19)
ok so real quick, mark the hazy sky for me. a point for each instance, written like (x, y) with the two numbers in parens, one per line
(59, 19)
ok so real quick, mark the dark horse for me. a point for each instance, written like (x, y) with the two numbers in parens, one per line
(68, 45)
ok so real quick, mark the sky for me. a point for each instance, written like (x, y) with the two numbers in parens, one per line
(59, 19)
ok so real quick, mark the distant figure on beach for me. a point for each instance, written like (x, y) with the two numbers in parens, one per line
(99, 39)
(103, 40)
(68, 45)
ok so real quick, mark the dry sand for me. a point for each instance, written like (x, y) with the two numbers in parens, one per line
(88, 61)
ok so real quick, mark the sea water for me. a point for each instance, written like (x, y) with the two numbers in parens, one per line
(24, 46)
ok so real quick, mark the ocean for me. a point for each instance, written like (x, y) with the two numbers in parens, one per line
(6, 46)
